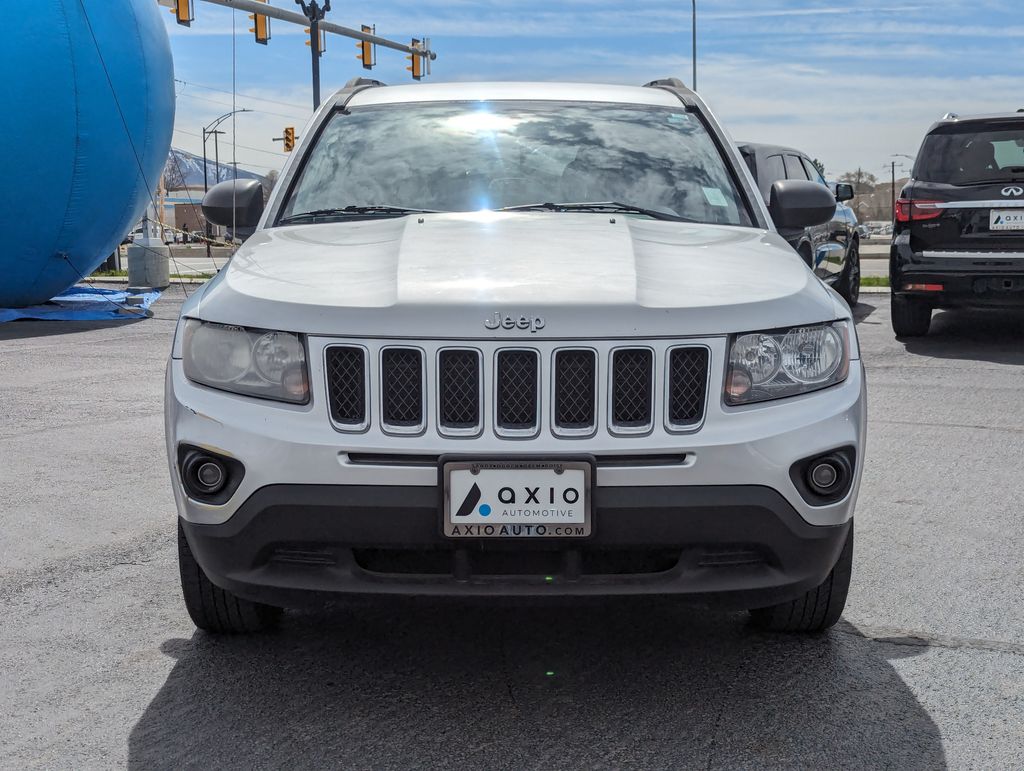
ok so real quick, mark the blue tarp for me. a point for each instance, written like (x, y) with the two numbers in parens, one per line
(86, 303)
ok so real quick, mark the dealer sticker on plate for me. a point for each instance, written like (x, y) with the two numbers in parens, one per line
(1006, 219)
(517, 499)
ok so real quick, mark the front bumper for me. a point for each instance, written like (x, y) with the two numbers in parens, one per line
(737, 546)
(712, 514)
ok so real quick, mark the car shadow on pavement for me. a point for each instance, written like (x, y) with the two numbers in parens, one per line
(995, 336)
(608, 683)
(24, 329)
(862, 311)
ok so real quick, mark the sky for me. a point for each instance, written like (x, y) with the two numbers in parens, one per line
(851, 83)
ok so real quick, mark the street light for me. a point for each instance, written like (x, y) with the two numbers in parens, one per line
(212, 131)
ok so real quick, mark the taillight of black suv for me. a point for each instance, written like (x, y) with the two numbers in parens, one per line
(958, 237)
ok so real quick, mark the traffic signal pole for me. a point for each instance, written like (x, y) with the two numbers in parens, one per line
(313, 16)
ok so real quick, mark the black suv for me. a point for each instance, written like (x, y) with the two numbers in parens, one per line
(833, 249)
(958, 238)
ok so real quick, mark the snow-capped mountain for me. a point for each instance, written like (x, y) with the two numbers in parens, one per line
(184, 169)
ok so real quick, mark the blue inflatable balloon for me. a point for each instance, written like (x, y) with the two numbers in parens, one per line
(86, 124)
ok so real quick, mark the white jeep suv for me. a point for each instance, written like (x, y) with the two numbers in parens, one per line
(516, 339)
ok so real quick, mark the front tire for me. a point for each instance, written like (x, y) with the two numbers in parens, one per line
(850, 282)
(911, 317)
(214, 609)
(818, 609)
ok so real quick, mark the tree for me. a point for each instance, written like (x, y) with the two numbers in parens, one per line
(862, 181)
(269, 180)
(174, 177)
(819, 166)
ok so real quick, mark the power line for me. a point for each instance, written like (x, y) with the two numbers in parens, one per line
(246, 147)
(290, 116)
(247, 96)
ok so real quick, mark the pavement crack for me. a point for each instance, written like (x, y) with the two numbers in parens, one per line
(892, 636)
(919, 423)
(134, 553)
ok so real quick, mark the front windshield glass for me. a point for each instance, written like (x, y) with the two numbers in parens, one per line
(469, 156)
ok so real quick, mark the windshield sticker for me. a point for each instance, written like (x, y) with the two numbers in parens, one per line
(715, 196)
(678, 117)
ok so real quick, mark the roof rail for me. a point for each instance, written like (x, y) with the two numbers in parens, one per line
(677, 87)
(359, 81)
(667, 83)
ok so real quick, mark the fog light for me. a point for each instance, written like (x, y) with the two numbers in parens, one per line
(823, 477)
(210, 476)
(829, 474)
(204, 475)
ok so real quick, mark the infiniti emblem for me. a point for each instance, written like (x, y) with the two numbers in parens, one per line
(1013, 190)
(512, 321)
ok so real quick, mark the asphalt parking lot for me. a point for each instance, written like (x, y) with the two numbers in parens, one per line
(100, 665)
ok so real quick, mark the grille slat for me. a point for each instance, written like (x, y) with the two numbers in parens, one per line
(575, 390)
(687, 386)
(346, 385)
(632, 387)
(458, 375)
(401, 378)
(516, 409)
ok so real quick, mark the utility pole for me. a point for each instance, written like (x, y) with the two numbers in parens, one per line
(315, 13)
(694, 45)
(897, 155)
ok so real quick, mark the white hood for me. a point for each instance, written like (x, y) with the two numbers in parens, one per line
(587, 275)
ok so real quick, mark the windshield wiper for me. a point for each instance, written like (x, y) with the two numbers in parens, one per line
(343, 211)
(598, 206)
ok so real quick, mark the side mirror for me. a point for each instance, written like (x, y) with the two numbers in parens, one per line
(843, 191)
(237, 204)
(796, 204)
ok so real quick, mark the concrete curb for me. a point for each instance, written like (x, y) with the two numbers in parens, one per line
(124, 280)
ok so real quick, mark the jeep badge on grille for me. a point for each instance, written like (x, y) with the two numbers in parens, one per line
(510, 321)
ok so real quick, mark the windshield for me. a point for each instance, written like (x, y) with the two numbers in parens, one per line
(471, 156)
(964, 155)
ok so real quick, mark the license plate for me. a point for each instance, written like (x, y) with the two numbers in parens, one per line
(517, 499)
(1006, 219)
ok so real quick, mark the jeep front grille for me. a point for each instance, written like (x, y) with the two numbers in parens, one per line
(687, 386)
(402, 390)
(632, 387)
(346, 371)
(575, 391)
(517, 391)
(458, 389)
(517, 402)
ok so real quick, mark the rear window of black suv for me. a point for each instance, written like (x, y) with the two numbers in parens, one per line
(973, 153)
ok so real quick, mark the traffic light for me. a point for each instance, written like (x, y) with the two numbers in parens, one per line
(289, 139)
(366, 48)
(261, 26)
(323, 41)
(182, 10)
(416, 66)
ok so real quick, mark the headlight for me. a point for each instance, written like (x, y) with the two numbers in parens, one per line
(253, 362)
(772, 365)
